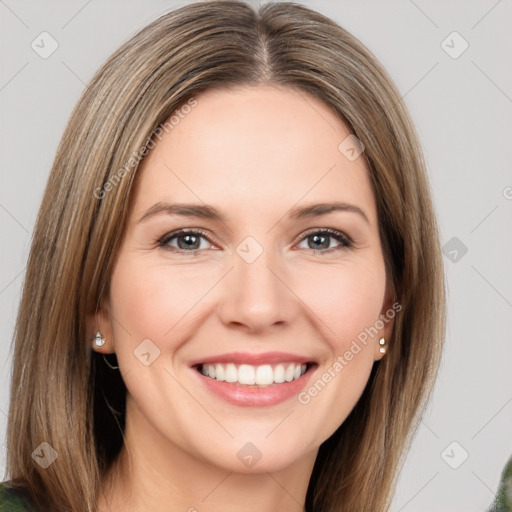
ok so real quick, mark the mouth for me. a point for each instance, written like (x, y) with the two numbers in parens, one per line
(254, 380)
(249, 375)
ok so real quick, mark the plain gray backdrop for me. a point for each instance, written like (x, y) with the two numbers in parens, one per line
(451, 62)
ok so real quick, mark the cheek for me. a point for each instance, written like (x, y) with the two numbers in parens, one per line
(151, 300)
(347, 298)
(347, 302)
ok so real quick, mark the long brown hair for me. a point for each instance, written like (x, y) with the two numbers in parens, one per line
(62, 395)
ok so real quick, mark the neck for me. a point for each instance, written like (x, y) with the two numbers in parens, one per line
(153, 473)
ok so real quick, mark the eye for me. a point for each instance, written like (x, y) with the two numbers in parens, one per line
(320, 239)
(188, 240)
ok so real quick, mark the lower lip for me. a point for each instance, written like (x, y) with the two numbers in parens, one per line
(254, 396)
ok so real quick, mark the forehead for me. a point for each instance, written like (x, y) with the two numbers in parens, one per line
(258, 149)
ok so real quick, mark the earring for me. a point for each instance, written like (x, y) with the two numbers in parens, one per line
(99, 339)
(382, 342)
(113, 367)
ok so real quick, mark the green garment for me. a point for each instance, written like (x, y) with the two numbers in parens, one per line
(10, 501)
(503, 500)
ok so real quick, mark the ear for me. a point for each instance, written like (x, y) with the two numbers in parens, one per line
(100, 321)
(385, 323)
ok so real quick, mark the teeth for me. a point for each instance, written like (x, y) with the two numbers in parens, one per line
(231, 373)
(279, 374)
(264, 375)
(288, 374)
(246, 374)
(219, 372)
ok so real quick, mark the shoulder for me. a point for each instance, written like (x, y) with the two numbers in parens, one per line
(503, 499)
(12, 500)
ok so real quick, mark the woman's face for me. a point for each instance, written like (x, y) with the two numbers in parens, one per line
(256, 291)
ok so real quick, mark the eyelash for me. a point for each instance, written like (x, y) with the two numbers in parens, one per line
(344, 240)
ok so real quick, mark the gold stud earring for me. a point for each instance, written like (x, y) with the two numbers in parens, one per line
(99, 339)
(382, 342)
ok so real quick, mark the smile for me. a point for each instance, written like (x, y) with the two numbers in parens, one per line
(254, 380)
(249, 375)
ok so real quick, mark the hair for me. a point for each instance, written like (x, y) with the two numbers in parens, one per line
(61, 392)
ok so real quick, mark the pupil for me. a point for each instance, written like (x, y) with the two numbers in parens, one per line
(187, 245)
(324, 245)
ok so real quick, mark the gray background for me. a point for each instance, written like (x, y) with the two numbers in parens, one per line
(461, 107)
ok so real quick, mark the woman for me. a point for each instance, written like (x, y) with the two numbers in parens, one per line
(235, 287)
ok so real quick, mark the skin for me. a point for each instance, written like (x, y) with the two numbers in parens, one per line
(253, 153)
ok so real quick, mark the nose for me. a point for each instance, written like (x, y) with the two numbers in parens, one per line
(257, 296)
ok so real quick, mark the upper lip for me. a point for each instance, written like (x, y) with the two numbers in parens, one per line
(253, 359)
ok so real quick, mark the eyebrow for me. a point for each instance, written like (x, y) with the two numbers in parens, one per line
(209, 212)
